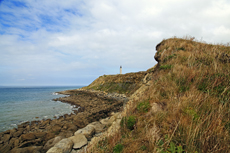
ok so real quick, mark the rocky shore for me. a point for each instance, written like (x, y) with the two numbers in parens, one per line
(40, 136)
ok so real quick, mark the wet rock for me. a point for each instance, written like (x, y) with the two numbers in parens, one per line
(52, 142)
(79, 141)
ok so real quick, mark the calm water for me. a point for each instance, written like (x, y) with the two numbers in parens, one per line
(20, 104)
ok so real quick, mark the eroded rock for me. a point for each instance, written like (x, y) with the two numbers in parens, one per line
(79, 141)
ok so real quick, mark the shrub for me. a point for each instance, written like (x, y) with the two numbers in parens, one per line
(143, 107)
(118, 148)
(131, 122)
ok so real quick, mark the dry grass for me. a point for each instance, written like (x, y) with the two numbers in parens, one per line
(192, 80)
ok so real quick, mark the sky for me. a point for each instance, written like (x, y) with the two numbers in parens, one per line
(72, 42)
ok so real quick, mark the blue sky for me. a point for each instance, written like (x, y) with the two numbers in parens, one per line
(49, 42)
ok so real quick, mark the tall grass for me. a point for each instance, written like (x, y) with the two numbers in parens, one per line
(192, 86)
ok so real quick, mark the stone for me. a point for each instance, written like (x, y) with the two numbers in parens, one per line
(31, 149)
(155, 108)
(12, 131)
(17, 134)
(30, 143)
(40, 134)
(6, 138)
(55, 150)
(105, 121)
(49, 136)
(65, 144)
(98, 127)
(66, 134)
(52, 142)
(5, 149)
(79, 141)
(56, 128)
(87, 131)
(27, 137)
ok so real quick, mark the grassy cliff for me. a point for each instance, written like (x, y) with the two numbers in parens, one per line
(180, 105)
(120, 83)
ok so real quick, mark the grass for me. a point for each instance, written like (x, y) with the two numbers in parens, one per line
(192, 86)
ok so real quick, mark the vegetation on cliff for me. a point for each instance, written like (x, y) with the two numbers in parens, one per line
(183, 106)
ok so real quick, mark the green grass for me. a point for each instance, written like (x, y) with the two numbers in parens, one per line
(165, 67)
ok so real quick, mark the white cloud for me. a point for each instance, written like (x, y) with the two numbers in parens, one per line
(67, 39)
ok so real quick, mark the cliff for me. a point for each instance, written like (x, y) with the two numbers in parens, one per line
(180, 105)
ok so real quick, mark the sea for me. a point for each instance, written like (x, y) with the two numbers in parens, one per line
(22, 104)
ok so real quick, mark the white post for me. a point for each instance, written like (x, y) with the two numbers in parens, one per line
(120, 69)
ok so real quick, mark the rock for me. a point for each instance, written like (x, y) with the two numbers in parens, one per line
(65, 144)
(56, 128)
(12, 131)
(105, 121)
(155, 108)
(30, 143)
(27, 137)
(66, 134)
(40, 134)
(79, 141)
(55, 150)
(52, 142)
(49, 136)
(5, 149)
(72, 128)
(98, 127)
(6, 138)
(17, 134)
(87, 131)
(31, 149)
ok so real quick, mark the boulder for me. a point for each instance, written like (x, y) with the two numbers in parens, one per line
(79, 141)
(66, 134)
(6, 138)
(5, 149)
(49, 136)
(87, 131)
(55, 150)
(52, 142)
(98, 127)
(56, 128)
(65, 144)
(32, 149)
(105, 121)
(27, 137)
(35, 142)
(17, 134)
(40, 134)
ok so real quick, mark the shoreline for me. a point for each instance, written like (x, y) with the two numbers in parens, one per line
(94, 105)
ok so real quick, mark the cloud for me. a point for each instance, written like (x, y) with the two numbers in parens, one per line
(57, 41)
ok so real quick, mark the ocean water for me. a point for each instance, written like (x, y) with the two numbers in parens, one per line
(21, 104)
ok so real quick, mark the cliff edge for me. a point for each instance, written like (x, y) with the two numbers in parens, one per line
(180, 105)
